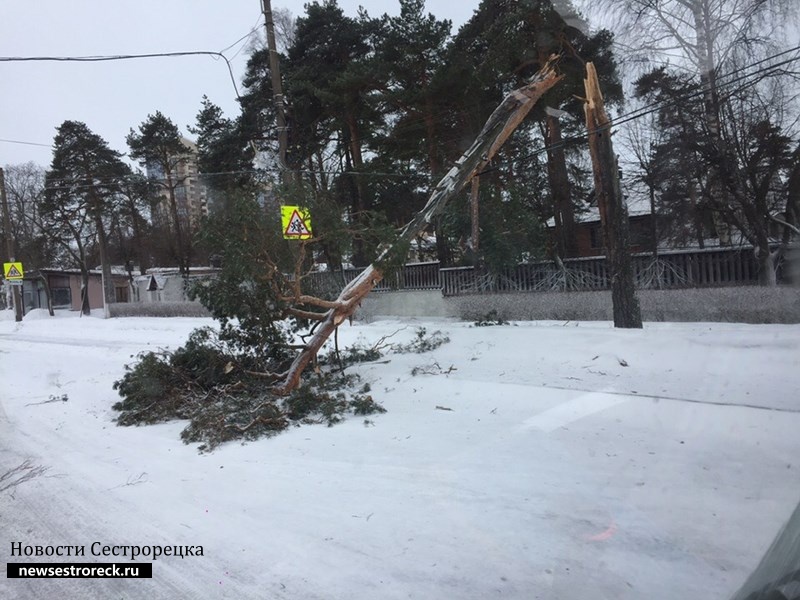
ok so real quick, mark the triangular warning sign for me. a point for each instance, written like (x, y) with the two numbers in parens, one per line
(296, 227)
(13, 273)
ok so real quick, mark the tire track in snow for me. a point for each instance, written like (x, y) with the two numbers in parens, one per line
(631, 395)
(570, 411)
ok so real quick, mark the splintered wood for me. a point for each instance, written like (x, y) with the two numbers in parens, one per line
(500, 125)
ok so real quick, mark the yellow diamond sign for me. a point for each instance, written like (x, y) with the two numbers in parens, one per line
(295, 223)
(13, 271)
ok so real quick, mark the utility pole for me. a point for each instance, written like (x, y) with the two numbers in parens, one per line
(277, 90)
(9, 244)
(613, 213)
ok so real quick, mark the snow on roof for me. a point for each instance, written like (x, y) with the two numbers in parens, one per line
(636, 208)
(97, 271)
(176, 270)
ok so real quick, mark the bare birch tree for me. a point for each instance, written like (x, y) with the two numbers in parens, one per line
(707, 39)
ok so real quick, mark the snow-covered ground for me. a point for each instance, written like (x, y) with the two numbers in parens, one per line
(554, 461)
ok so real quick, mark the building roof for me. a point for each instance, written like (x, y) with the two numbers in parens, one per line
(176, 270)
(636, 207)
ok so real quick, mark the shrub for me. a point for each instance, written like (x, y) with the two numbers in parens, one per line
(357, 353)
(422, 342)
(222, 383)
(489, 319)
(363, 404)
(227, 396)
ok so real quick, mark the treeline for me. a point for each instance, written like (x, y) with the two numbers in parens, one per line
(91, 208)
(379, 108)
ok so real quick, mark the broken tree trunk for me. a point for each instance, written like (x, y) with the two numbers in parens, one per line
(613, 213)
(501, 124)
(474, 210)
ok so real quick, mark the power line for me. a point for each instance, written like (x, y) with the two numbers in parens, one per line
(661, 104)
(726, 75)
(636, 114)
(245, 36)
(116, 57)
(25, 143)
(621, 119)
(407, 124)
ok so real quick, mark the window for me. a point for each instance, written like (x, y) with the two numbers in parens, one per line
(596, 236)
(640, 232)
(61, 297)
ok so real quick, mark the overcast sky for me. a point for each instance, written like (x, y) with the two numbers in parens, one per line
(113, 97)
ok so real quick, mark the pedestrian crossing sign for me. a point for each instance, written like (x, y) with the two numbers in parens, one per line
(13, 271)
(295, 223)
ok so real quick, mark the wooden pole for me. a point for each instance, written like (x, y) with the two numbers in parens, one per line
(9, 245)
(613, 212)
(501, 124)
(277, 90)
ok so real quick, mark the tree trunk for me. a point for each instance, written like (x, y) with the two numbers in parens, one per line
(765, 258)
(86, 308)
(15, 291)
(141, 252)
(560, 188)
(47, 295)
(354, 145)
(430, 133)
(698, 220)
(613, 213)
(358, 161)
(109, 295)
(722, 161)
(475, 236)
(501, 124)
(443, 251)
(704, 50)
(653, 221)
(176, 223)
(767, 276)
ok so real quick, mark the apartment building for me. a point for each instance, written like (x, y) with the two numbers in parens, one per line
(191, 193)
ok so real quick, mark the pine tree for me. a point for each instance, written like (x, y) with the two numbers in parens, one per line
(225, 158)
(330, 82)
(505, 42)
(81, 195)
(158, 147)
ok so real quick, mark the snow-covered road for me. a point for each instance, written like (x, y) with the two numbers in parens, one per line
(574, 462)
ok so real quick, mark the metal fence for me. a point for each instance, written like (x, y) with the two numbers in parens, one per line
(672, 269)
(413, 276)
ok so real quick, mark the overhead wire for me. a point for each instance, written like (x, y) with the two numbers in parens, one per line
(618, 120)
(245, 36)
(661, 104)
(105, 58)
(407, 124)
(116, 57)
(25, 143)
